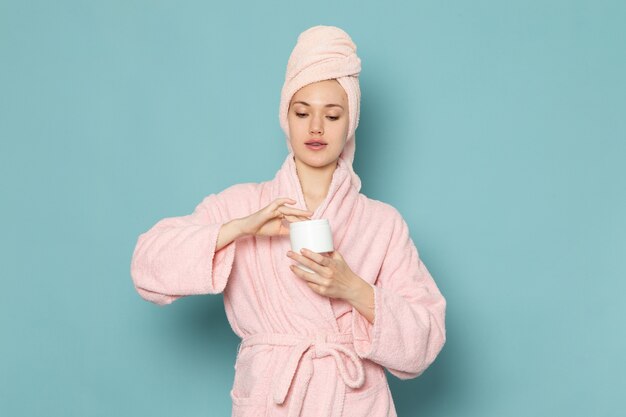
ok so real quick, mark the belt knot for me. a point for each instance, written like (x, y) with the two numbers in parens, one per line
(319, 342)
(300, 361)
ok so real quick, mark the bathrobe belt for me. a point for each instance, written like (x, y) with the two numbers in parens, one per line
(300, 362)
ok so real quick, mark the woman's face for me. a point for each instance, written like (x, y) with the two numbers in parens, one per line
(318, 112)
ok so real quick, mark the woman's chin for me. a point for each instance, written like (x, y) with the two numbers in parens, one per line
(318, 160)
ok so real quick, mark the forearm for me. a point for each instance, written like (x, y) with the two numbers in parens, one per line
(229, 232)
(363, 300)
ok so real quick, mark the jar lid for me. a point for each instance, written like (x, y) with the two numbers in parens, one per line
(310, 223)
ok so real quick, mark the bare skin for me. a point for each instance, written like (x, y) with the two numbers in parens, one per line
(318, 110)
(272, 220)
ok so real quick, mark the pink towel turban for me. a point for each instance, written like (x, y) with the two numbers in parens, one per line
(323, 53)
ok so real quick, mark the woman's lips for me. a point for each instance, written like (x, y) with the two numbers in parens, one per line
(315, 147)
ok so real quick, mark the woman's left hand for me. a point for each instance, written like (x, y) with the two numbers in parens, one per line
(332, 277)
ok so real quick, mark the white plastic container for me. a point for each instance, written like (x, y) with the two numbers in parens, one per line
(314, 235)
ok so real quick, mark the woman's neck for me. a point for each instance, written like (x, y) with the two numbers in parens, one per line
(314, 181)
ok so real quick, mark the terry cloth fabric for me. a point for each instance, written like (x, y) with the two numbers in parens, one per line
(302, 354)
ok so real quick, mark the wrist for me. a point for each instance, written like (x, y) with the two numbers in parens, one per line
(359, 292)
(238, 227)
(363, 300)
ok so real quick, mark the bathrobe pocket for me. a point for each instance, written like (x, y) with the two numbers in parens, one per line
(373, 399)
(253, 373)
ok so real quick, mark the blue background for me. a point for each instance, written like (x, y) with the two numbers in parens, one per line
(496, 128)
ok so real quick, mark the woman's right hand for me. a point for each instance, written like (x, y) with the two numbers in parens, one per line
(270, 220)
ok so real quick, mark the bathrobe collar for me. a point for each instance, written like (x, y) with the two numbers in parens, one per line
(287, 184)
(340, 207)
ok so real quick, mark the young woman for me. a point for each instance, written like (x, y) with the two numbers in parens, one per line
(313, 344)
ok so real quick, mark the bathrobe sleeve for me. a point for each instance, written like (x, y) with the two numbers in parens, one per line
(177, 257)
(409, 323)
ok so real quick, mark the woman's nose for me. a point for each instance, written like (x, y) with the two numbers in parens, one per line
(316, 127)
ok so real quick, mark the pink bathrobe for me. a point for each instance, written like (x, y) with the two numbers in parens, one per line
(302, 354)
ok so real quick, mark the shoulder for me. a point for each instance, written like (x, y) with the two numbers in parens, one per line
(390, 224)
(234, 200)
(233, 193)
(385, 212)
(239, 191)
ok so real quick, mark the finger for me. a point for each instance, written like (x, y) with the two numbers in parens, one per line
(314, 287)
(274, 209)
(293, 219)
(336, 255)
(288, 200)
(278, 213)
(305, 275)
(280, 201)
(286, 213)
(317, 257)
(293, 210)
(307, 262)
(285, 228)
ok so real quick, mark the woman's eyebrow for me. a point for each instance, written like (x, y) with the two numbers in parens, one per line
(328, 105)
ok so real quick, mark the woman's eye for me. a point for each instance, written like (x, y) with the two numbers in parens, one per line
(333, 118)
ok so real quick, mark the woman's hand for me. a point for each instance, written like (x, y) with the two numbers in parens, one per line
(332, 277)
(273, 220)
